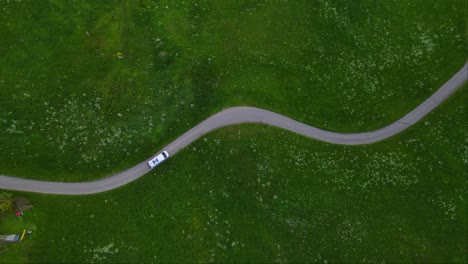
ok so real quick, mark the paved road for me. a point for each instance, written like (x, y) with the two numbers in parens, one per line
(236, 115)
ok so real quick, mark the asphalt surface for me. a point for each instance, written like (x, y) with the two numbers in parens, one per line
(236, 115)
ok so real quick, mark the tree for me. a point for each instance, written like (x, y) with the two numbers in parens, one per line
(21, 204)
(6, 202)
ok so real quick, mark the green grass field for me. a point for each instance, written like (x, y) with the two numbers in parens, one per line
(253, 193)
(76, 112)
(71, 110)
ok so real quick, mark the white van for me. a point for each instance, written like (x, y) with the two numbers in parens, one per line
(158, 159)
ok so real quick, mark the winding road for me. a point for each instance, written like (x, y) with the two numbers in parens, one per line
(236, 115)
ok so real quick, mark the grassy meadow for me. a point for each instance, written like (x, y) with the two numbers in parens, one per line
(89, 88)
(253, 193)
(72, 110)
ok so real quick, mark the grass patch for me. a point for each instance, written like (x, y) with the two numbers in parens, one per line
(75, 111)
(10, 224)
(253, 193)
